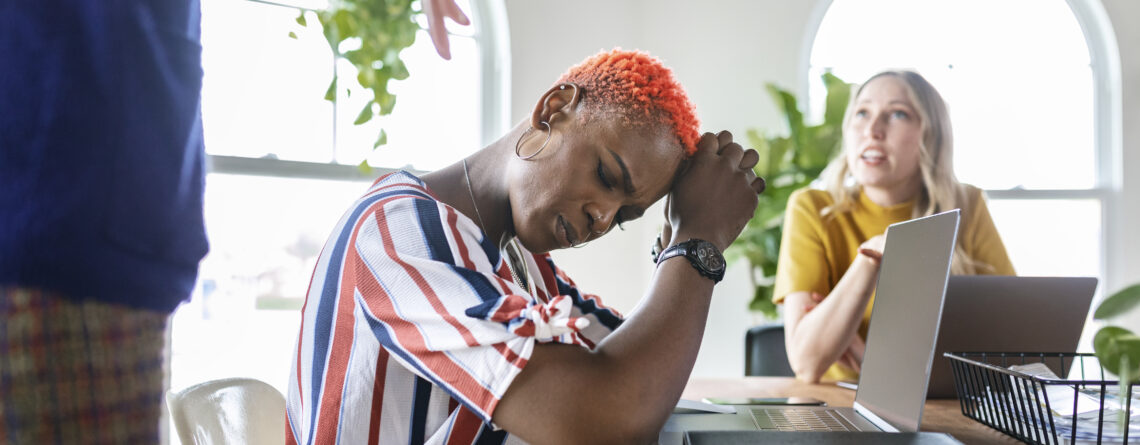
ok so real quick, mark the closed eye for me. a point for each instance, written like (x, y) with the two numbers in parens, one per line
(602, 176)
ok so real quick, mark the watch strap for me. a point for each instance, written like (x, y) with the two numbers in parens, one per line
(688, 249)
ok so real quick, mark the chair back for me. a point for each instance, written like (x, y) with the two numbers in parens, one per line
(765, 353)
(228, 411)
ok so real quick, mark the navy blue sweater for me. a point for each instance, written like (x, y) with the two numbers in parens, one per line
(101, 156)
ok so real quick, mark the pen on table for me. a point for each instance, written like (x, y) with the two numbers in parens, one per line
(847, 385)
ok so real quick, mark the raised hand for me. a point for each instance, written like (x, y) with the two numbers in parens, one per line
(436, 10)
(717, 194)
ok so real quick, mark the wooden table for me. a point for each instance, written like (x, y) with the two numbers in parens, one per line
(942, 415)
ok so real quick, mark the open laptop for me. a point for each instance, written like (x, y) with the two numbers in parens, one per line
(1008, 314)
(900, 344)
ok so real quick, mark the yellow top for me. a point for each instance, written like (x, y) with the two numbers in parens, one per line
(815, 251)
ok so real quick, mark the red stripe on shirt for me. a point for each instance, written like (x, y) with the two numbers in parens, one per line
(547, 276)
(466, 427)
(452, 222)
(377, 397)
(418, 278)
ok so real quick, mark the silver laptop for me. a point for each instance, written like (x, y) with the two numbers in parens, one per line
(1009, 314)
(900, 344)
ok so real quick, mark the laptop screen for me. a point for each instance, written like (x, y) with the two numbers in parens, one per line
(905, 318)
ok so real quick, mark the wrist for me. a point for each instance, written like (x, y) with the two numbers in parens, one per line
(682, 236)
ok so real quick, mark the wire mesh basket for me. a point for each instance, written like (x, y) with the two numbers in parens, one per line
(1032, 404)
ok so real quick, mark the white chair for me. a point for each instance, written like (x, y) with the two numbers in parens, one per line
(228, 411)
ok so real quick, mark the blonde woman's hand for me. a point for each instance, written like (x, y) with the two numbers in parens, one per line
(873, 248)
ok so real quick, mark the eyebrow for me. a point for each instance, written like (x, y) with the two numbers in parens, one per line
(626, 180)
(893, 102)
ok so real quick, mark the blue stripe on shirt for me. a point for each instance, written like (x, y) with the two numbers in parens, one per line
(604, 315)
(434, 235)
(421, 395)
(488, 436)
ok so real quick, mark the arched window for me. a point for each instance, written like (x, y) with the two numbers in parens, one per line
(284, 165)
(1029, 86)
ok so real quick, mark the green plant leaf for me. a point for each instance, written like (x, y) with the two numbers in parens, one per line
(786, 102)
(364, 116)
(838, 96)
(387, 103)
(364, 167)
(1116, 346)
(399, 70)
(380, 140)
(301, 19)
(292, 35)
(762, 302)
(330, 93)
(1118, 303)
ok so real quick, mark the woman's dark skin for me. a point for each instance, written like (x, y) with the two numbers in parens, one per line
(574, 191)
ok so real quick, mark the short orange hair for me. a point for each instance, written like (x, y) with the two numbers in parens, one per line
(640, 89)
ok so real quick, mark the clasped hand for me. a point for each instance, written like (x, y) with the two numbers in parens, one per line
(716, 195)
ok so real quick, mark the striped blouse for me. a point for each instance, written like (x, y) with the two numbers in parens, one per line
(412, 328)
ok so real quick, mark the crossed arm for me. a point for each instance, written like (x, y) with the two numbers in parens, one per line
(821, 331)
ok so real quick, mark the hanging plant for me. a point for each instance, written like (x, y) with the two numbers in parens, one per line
(370, 34)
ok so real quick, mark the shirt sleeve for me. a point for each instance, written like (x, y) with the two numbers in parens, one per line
(424, 279)
(985, 246)
(802, 264)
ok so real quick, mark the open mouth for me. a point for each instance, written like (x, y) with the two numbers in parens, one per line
(873, 156)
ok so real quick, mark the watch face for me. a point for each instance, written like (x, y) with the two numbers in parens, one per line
(709, 257)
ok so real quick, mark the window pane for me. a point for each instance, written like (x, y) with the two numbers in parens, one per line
(1018, 84)
(1049, 237)
(263, 92)
(265, 236)
(436, 120)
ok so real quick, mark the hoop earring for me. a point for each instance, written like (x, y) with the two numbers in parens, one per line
(518, 145)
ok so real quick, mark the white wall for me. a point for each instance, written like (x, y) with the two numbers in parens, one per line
(1125, 17)
(724, 52)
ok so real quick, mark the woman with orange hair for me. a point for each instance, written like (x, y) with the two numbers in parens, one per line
(436, 315)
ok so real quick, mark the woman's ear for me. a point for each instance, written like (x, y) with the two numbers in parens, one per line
(559, 101)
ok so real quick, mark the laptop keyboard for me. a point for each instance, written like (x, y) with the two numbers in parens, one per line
(794, 419)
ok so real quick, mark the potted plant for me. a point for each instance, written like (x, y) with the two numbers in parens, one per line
(1117, 348)
(788, 163)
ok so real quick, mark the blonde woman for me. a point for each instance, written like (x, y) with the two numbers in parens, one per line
(896, 164)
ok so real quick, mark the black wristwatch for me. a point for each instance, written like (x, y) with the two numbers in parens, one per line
(703, 255)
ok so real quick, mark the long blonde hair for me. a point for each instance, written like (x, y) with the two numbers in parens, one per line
(941, 190)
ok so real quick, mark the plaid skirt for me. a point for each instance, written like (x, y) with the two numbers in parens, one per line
(78, 372)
